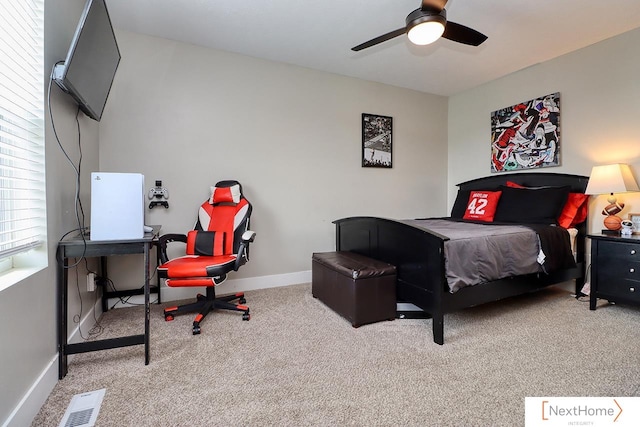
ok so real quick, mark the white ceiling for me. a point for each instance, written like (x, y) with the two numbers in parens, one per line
(320, 34)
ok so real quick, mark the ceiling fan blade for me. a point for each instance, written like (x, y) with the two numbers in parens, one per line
(436, 5)
(380, 39)
(461, 34)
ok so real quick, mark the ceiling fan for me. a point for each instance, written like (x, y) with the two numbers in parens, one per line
(427, 24)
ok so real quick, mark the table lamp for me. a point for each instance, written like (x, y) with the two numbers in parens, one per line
(609, 179)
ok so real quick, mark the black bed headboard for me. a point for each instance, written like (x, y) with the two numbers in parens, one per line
(578, 183)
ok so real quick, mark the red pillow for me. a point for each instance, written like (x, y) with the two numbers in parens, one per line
(482, 205)
(575, 210)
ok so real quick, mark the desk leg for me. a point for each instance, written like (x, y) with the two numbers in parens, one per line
(147, 312)
(62, 276)
(105, 281)
(158, 280)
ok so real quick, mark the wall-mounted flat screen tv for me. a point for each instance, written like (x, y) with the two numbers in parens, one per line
(88, 71)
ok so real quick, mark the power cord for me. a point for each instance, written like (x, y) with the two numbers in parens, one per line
(126, 300)
(80, 219)
(78, 208)
(97, 328)
(582, 297)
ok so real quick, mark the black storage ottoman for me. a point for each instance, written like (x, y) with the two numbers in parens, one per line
(360, 289)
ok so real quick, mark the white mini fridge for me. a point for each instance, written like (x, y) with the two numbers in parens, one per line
(117, 206)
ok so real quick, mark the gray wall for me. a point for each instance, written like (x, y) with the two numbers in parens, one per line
(191, 116)
(600, 104)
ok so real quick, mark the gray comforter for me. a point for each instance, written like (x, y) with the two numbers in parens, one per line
(478, 253)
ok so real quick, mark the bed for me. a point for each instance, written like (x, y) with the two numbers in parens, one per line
(419, 253)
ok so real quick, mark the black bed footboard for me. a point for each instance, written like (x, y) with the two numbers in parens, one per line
(417, 254)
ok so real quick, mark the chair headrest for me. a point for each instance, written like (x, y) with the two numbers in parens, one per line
(225, 194)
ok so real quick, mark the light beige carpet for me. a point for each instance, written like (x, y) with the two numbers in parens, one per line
(298, 363)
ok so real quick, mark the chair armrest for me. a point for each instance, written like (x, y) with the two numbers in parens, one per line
(248, 236)
(163, 242)
(243, 251)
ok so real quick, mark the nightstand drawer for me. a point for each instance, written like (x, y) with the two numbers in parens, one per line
(618, 269)
(615, 251)
(619, 288)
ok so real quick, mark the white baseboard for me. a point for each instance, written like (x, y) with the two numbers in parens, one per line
(28, 407)
(228, 287)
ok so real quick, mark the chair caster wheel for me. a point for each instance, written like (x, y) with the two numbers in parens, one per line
(168, 317)
(246, 316)
(196, 330)
(242, 301)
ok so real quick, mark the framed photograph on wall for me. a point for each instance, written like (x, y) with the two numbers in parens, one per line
(376, 141)
(526, 135)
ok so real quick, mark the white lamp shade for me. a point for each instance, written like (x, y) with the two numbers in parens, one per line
(609, 179)
(426, 32)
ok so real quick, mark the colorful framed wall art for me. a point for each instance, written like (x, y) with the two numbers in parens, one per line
(526, 135)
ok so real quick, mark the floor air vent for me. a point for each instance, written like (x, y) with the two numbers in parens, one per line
(83, 409)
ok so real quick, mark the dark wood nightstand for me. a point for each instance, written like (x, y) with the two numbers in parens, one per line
(615, 269)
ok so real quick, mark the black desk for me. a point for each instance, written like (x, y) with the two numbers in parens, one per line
(76, 247)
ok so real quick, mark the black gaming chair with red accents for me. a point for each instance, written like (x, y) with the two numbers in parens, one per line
(218, 244)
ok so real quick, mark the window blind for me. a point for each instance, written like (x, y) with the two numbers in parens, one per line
(22, 158)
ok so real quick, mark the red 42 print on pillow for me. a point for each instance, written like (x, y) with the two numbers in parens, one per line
(482, 205)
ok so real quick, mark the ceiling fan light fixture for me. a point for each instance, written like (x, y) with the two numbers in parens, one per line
(425, 27)
(426, 33)
(427, 24)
